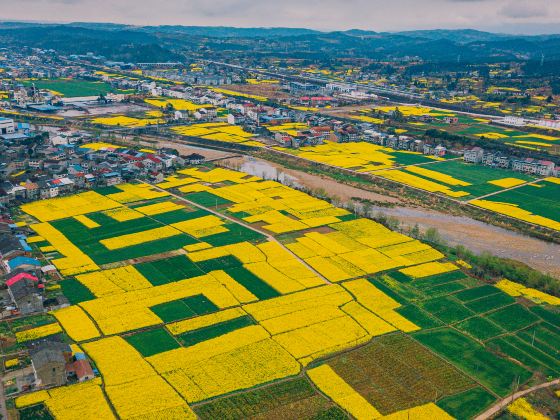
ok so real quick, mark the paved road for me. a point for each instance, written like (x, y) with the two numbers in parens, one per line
(508, 400)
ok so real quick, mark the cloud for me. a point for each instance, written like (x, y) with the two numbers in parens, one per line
(377, 15)
(524, 9)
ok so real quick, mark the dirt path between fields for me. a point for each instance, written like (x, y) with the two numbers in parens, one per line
(508, 400)
(234, 220)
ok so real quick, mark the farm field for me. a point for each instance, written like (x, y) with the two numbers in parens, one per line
(72, 87)
(510, 136)
(358, 156)
(451, 178)
(537, 203)
(457, 179)
(177, 104)
(218, 132)
(127, 121)
(475, 127)
(467, 126)
(221, 295)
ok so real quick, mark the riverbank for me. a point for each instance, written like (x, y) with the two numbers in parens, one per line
(456, 230)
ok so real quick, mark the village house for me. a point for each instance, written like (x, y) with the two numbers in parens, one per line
(195, 159)
(26, 293)
(473, 155)
(49, 360)
(533, 166)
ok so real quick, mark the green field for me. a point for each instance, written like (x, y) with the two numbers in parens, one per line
(73, 88)
(494, 372)
(395, 372)
(476, 175)
(447, 309)
(420, 317)
(292, 399)
(169, 270)
(198, 336)
(477, 293)
(184, 308)
(404, 159)
(467, 404)
(485, 327)
(35, 412)
(470, 127)
(152, 342)
(75, 291)
(88, 239)
(513, 318)
(527, 354)
(480, 328)
(542, 199)
(255, 285)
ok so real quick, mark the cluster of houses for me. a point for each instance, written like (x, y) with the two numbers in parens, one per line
(55, 364)
(527, 165)
(63, 163)
(340, 132)
(22, 273)
(22, 292)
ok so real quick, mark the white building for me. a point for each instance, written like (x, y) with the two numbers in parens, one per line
(549, 123)
(514, 121)
(7, 126)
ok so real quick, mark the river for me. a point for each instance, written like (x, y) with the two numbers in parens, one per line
(456, 230)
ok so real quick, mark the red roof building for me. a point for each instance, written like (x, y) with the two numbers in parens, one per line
(19, 277)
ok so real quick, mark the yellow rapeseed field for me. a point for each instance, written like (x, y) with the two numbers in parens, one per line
(328, 381)
(74, 261)
(429, 269)
(203, 321)
(76, 323)
(437, 176)
(516, 289)
(177, 104)
(421, 183)
(124, 121)
(219, 132)
(131, 384)
(74, 205)
(137, 238)
(507, 182)
(136, 192)
(516, 212)
(73, 402)
(358, 156)
(237, 360)
(523, 409)
(38, 332)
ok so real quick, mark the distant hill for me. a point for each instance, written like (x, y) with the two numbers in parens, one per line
(161, 43)
(205, 31)
(462, 36)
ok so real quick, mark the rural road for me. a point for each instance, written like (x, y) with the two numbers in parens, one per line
(508, 400)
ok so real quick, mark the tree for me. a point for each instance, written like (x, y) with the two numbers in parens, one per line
(433, 236)
(398, 115)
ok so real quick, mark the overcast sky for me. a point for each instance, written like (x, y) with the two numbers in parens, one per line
(513, 16)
